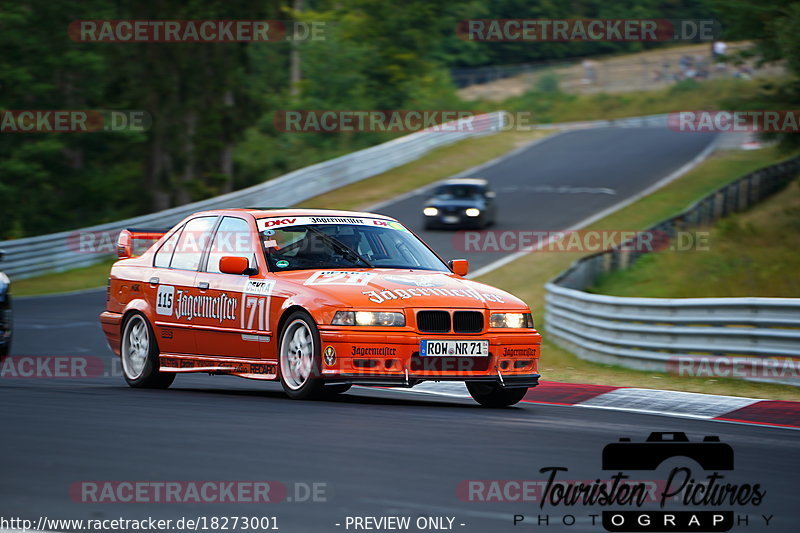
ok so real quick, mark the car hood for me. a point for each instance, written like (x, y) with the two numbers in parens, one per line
(392, 288)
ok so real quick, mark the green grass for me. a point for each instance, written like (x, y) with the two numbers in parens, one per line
(71, 280)
(526, 278)
(749, 254)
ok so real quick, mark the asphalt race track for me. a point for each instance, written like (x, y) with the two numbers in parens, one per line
(562, 180)
(372, 452)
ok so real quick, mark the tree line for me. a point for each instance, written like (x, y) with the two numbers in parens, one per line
(212, 105)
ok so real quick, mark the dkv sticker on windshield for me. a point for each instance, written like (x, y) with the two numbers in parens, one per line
(281, 222)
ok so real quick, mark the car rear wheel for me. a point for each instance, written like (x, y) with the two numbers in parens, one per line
(139, 354)
(300, 358)
(493, 395)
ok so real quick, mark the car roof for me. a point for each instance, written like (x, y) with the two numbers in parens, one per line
(267, 212)
(465, 181)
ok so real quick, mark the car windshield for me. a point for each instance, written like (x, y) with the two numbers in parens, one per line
(313, 246)
(458, 192)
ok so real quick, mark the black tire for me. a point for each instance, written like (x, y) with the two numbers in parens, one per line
(6, 349)
(313, 387)
(149, 377)
(494, 395)
(333, 390)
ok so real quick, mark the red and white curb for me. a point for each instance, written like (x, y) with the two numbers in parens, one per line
(648, 401)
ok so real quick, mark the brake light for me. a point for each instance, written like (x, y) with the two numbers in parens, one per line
(124, 244)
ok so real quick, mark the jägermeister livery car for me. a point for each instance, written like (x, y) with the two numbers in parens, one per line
(319, 300)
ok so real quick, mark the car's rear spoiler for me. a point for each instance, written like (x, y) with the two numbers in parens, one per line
(127, 236)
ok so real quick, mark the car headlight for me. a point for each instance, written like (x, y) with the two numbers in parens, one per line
(368, 318)
(511, 320)
(473, 212)
(430, 211)
(4, 282)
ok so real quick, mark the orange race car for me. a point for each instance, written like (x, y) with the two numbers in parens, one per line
(317, 299)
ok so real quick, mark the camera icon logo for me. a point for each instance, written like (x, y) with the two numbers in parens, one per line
(710, 454)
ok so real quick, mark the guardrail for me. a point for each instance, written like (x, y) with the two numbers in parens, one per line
(63, 251)
(749, 338)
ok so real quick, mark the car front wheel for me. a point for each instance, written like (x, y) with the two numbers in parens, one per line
(493, 395)
(299, 361)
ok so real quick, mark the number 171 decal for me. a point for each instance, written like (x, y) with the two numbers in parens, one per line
(256, 297)
(340, 278)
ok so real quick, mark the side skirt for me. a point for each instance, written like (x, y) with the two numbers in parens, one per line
(229, 366)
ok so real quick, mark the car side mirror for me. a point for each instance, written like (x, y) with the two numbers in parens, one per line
(234, 265)
(459, 266)
(491, 194)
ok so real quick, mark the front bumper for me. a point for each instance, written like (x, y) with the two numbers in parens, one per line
(508, 382)
(453, 221)
(387, 359)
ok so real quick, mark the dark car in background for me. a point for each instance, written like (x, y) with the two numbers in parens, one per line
(460, 203)
(5, 313)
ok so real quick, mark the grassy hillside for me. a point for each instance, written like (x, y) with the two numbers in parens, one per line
(750, 254)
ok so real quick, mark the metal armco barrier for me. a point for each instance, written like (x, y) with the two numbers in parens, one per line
(57, 252)
(757, 339)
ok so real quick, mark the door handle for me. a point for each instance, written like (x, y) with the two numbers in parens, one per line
(154, 282)
(203, 285)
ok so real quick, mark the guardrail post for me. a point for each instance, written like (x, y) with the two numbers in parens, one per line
(743, 189)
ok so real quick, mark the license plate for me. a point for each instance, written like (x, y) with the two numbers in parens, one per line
(450, 219)
(453, 348)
